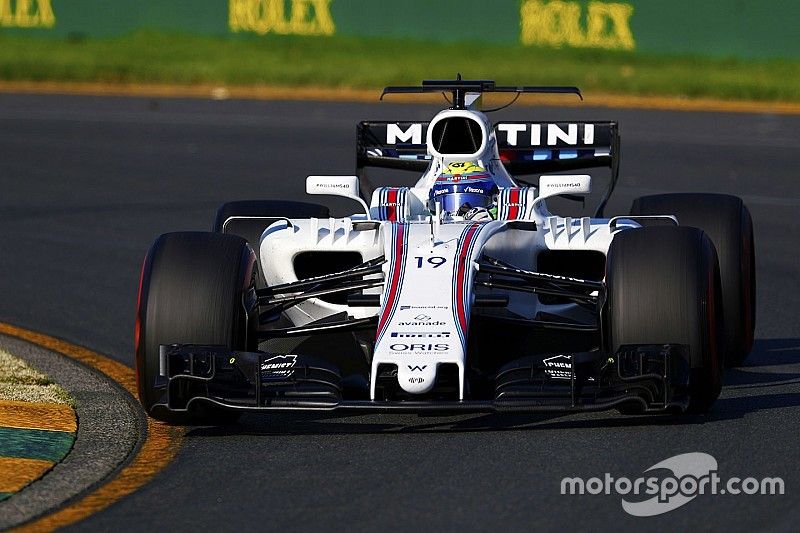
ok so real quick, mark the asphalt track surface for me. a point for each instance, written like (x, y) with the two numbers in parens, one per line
(88, 183)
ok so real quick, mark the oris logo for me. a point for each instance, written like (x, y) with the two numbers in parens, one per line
(421, 347)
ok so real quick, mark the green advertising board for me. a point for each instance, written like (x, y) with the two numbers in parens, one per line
(724, 28)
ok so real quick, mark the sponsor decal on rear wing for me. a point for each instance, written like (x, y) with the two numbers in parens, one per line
(399, 145)
(524, 147)
(535, 147)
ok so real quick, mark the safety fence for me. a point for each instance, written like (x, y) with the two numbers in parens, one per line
(722, 28)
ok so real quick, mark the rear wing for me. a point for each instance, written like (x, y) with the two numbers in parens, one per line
(524, 147)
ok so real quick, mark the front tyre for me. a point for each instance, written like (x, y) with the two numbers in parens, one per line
(196, 288)
(727, 222)
(663, 288)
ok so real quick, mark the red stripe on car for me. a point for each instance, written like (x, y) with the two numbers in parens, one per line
(513, 204)
(391, 207)
(394, 278)
(461, 277)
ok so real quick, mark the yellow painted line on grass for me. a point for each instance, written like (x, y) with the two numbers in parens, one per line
(15, 472)
(159, 448)
(347, 94)
(26, 415)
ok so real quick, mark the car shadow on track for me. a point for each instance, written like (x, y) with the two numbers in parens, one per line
(769, 379)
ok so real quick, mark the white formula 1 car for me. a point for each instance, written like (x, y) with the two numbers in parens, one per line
(460, 293)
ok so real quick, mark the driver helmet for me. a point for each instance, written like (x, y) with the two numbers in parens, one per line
(465, 190)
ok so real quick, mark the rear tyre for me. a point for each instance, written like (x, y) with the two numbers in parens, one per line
(196, 288)
(249, 218)
(727, 222)
(663, 287)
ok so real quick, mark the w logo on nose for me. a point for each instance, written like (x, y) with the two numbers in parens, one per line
(416, 368)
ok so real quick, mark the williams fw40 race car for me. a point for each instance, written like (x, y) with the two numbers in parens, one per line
(463, 292)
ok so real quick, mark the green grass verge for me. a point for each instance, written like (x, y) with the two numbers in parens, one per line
(372, 63)
(20, 382)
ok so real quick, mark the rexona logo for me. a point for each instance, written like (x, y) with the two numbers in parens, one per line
(26, 14)
(278, 367)
(421, 347)
(303, 17)
(558, 23)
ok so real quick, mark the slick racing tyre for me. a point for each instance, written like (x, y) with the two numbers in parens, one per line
(663, 288)
(196, 288)
(726, 220)
(249, 218)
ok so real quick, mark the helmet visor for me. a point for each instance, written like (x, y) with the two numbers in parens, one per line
(451, 203)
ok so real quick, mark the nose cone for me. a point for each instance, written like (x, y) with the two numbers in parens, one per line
(416, 377)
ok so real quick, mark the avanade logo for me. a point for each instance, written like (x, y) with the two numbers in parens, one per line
(423, 320)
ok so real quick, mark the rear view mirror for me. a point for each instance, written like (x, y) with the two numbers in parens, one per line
(579, 184)
(346, 186)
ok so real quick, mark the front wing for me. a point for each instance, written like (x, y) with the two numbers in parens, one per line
(651, 378)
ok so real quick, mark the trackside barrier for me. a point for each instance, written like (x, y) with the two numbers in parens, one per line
(723, 28)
